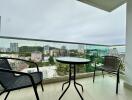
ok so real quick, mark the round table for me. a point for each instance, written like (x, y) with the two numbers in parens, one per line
(72, 61)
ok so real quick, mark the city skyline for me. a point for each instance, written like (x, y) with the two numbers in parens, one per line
(78, 47)
(15, 45)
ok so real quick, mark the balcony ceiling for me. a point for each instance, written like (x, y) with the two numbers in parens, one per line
(107, 5)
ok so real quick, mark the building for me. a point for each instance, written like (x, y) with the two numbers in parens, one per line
(63, 51)
(36, 56)
(55, 52)
(2, 49)
(113, 52)
(14, 47)
(46, 50)
(81, 48)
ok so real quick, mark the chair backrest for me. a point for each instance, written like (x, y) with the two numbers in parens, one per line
(5, 77)
(111, 62)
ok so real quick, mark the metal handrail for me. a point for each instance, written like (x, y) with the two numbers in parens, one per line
(43, 40)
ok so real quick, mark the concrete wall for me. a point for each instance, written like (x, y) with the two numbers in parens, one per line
(128, 59)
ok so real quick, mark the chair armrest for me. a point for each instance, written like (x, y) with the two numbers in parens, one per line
(22, 60)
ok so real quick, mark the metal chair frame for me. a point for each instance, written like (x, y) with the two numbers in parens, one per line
(115, 72)
(20, 73)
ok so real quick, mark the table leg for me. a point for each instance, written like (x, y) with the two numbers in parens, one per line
(64, 84)
(80, 85)
(64, 91)
(78, 91)
(77, 83)
(69, 82)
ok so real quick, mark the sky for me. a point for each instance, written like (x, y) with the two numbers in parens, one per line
(63, 20)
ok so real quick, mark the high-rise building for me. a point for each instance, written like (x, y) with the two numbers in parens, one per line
(14, 47)
(63, 51)
(46, 49)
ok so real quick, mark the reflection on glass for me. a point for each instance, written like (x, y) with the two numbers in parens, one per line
(44, 54)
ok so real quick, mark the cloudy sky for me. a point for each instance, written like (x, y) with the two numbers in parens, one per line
(66, 20)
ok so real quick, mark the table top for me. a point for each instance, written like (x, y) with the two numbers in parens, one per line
(72, 60)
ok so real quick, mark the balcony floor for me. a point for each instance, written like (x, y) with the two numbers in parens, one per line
(102, 89)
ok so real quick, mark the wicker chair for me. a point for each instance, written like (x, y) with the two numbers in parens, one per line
(111, 65)
(12, 80)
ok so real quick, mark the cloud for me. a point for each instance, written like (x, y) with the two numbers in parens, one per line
(65, 20)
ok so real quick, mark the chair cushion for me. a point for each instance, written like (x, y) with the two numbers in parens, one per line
(24, 81)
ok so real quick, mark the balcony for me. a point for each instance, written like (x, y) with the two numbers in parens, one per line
(103, 89)
(54, 73)
(44, 52)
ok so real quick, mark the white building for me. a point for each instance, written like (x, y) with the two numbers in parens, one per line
(14, 47)
(36, 56)
(46, 49)
(10, 55)
(113, 52)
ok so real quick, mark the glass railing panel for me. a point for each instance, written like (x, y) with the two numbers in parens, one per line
(65, 49)
(95, 53)
(53, 50)
(44, 54)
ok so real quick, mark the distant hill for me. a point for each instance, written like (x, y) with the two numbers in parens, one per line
(33, 48)
(30, 48)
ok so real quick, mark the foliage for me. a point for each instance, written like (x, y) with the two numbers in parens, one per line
(99, 60)
(30, 48)
(80, 68)
(89, 68)
(73, 53)
(24, 54)
(94, 57)
(51, 60)
(8, 52)
(62, 69)
(40, 64)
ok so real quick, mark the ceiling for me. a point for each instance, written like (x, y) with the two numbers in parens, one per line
(107, 5)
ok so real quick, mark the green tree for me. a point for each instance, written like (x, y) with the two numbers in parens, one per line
(62, 69)
(51, 60)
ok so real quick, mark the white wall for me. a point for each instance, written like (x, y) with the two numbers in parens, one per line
(129, 43)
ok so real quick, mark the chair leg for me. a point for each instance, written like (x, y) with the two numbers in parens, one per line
(35, 91)
(117, 83)
(119, 78)
(6, 95)
(42, 86)
(94, 76)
